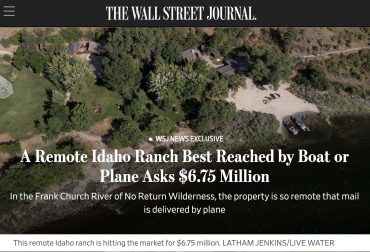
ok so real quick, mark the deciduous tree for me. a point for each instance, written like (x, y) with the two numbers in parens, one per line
(124, 134)
(81, 117)
(121, 72)
(160, 125)
(213, 113)
(171, 53)
(70, 74)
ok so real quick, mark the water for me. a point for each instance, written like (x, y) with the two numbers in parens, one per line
(347, 135)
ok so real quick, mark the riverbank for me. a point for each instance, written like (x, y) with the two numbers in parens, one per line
(247, 130)
(261, 131)
(347, 135)
(331, 103)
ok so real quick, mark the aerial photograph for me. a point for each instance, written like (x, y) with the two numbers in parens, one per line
(77, 89)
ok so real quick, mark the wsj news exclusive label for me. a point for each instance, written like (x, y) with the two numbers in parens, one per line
(185, 138)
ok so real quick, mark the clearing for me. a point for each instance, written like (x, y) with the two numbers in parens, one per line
(19, 111)
(281, 103)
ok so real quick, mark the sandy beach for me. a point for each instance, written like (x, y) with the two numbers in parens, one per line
(281, 103)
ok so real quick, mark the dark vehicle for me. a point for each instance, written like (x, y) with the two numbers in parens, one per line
(298, 120)
(290, 127)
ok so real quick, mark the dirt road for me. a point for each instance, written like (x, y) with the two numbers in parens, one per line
(342, 51)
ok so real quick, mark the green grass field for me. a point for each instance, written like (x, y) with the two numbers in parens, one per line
(100, 95)
(19, 111)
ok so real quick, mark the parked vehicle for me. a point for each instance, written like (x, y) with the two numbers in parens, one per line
(290, 127)
(298, 120)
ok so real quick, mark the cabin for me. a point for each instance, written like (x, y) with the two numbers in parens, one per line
(92, 46)
(89, 47)
(226, 69)
(73, 48)
(234, 66)
(191, 55)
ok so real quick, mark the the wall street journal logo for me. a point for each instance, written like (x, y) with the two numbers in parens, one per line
(185, 139)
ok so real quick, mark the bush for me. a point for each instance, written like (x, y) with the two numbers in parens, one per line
(270, 65)
(246, 130)
(20, 57)
(29, 178)
(57, 119)
(12, 40)
(25, 57)
(195, 80)
(7, 57)
(69, 145)
(313, 77)
(121, 72)
(69, 74)
(71, 34)
(171, 53)
(81, 117)
(12, 147)
(330, 102)
(353, 65)
(217, 89)
(213, 113)
(36, 61)
(137, 106)
(226, 39)
(124, 134)
(160, 126)
(236, 82)
(253, 128)
(284, 37)
(54, 45)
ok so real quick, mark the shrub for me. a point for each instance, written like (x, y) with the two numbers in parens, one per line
(81, 117)
(12, 40)
(7, 57)
(160, 126)
(330, 102)
(213, 113)
(124, 134)
(71, 34)
(69, 145)
(172, 52)
(270, 65)
(313, 77)
(29, 178)
(25, 57)
(12, 147)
